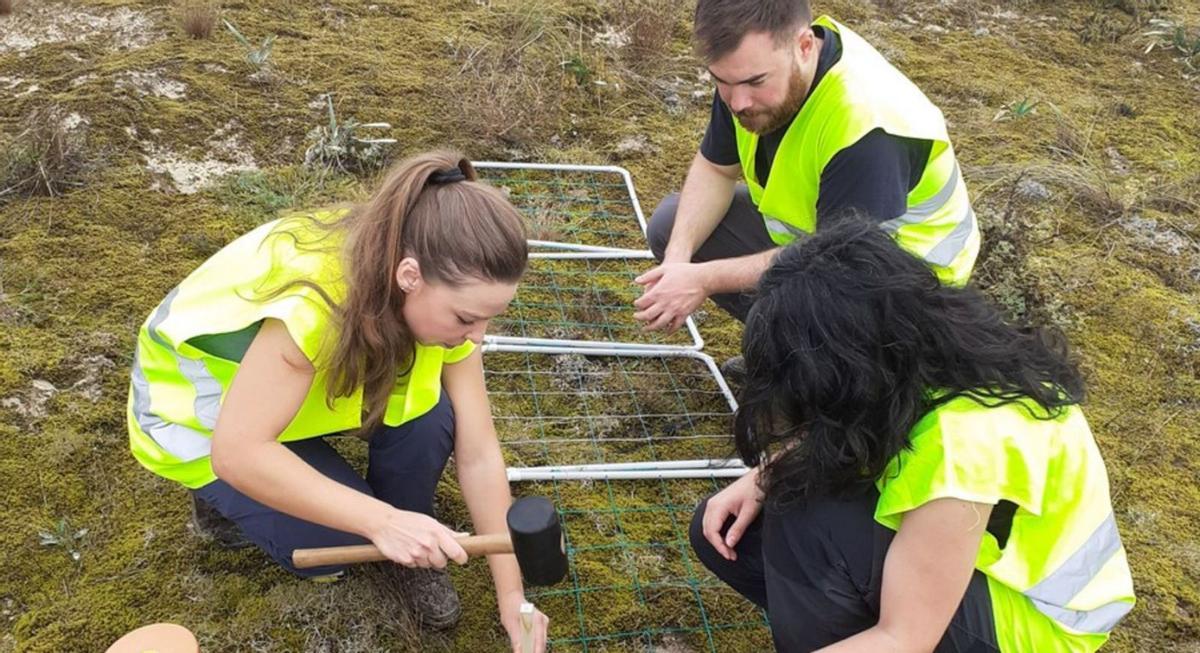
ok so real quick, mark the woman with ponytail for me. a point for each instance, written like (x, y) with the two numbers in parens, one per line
(363, 321)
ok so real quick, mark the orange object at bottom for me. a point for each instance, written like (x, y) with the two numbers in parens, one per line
(157, 638)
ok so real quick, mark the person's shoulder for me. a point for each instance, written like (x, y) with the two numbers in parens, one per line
(970, 419)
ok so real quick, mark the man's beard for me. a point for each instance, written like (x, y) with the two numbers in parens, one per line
(765, 121)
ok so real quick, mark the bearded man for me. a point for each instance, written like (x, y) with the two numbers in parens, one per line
(809, 122)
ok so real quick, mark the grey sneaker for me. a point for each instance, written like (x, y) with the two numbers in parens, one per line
(430, 593)
(212, 525)
(734, 370)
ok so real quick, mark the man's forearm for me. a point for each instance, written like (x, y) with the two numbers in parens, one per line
(736, 274)
(705, 198)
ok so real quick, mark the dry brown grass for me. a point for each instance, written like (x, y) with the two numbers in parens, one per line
(44, 159)
(1085, 185)
(197, 17)
(501, 105)
(1177, 198)
(510, 88)
(650, 26)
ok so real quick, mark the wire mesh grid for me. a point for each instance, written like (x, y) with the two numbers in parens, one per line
(585, 205)
(633, 582)
(588, 303)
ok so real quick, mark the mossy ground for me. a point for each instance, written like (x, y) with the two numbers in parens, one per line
(1111, 255)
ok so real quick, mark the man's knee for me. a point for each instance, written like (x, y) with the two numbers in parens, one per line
(658, 231)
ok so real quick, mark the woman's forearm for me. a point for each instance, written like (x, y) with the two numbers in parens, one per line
(245, 450)
(271, 474)
(486, 493)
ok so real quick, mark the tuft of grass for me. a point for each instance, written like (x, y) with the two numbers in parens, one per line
(509, 88)
(338, 146)
(1102, 27)
(44, 159)
(264, 194)
(197, 17)
(1140, 8)
(650, 26)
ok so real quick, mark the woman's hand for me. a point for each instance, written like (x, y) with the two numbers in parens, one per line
(415, 540)
(743, 500)
(510, 616)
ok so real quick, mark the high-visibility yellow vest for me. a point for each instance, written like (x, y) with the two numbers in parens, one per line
(1062, 581)
(860, 93)
(179, 383)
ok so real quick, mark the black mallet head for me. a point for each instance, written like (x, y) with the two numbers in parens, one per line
(537, 540)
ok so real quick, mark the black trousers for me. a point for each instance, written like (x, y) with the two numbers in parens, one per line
(740, 233)
(817, 570)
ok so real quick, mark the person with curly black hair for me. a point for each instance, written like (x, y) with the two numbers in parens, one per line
(924, 477)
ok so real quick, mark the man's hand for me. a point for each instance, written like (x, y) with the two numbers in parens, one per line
(670, 293)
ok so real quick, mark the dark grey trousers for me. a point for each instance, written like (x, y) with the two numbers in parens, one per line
(817, 570)
(740, 233)
(404, 464)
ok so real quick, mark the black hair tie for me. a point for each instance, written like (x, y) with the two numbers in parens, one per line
(447, 176)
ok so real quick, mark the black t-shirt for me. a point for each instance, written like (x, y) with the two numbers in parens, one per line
(874, 175)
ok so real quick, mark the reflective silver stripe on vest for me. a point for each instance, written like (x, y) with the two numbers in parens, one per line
(1073, 575)
(782, 228)
(184, 443)
(925, 210)
(945, 252)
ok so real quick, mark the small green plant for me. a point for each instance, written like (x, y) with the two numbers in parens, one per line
(338, 146)
(579, 69)
(1164, 34)
(258, 57)
(64, 535)
(1016, 110)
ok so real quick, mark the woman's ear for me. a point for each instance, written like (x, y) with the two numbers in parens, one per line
(408, 274)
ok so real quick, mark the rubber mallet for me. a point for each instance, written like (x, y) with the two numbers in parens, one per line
(534, 536)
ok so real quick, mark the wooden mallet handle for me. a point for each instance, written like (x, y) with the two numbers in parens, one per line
(474, 545)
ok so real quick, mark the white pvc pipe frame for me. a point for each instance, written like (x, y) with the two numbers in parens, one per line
(708, 468)
(580, 251)
(714, 468)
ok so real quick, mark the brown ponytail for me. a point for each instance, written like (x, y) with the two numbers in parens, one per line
(457, 230)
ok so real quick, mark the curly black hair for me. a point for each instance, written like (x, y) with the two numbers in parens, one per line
(852, 340)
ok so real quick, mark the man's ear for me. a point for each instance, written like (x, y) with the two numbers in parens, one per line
(806, 44)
